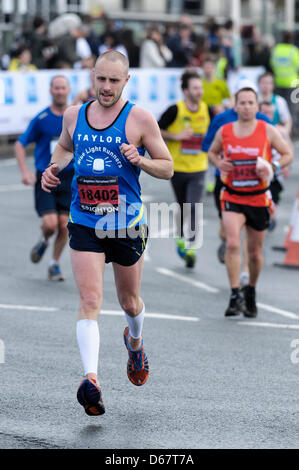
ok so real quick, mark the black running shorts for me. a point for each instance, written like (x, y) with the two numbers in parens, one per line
(122, 249)
(257, 218)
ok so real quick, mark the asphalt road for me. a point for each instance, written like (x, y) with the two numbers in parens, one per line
(214, 383)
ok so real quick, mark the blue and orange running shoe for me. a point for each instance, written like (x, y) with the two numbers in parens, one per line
(89, 395)
(137, 366)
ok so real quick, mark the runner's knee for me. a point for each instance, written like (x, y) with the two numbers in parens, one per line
(233, 245)
(49, 227)
(255, 254)
(62, 228)
(90, 304)
(130, 305)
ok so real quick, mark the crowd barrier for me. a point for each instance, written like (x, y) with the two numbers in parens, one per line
(24, 94)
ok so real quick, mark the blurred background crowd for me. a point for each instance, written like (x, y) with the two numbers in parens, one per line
(73, 41)
(42, 39)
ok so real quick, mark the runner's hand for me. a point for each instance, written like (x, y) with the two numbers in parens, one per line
(28, 178)
(225, 166)
(186, 134)
(262, 173)
(131, 152)
(49, 178)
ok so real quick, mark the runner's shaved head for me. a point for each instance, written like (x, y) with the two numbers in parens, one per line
(114, 56)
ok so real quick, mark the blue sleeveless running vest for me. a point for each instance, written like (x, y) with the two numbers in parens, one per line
(106, 193)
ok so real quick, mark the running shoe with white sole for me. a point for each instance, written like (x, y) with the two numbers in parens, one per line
(38, 251)
(55, 274)
(137, 366)
(89, 395)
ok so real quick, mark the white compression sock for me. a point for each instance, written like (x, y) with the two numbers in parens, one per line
(88, 336)
(136, 324)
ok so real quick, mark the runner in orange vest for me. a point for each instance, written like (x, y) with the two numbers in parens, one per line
(246, 172)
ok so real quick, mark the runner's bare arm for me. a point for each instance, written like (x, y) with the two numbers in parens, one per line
(160, 165)
(28, 177)
(63, 152)
(224, 165)
(185, 134)
(280, 145)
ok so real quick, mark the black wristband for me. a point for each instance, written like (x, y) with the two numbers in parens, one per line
(50, 164)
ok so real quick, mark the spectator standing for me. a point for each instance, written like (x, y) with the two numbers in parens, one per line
(133, 50)
(282, 113)
(181, 46)
(111, 42)
(22, 60)
(153, 52)
(285, 65)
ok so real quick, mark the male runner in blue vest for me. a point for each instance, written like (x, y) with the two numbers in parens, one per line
(108, 138)
(53, 208)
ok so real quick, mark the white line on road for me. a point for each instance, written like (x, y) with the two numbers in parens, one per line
(28, 307)
(11, 161)
(284, 313)
(8, 162)
(163, 316)
(13, 187)
(179, 277)
(269, 325)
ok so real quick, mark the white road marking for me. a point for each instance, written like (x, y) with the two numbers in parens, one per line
(13, 187)
(8, 162)
(179, 277)
(163, 316)
(214, 290)
(28, 307)
(269, 325)
(284, 313)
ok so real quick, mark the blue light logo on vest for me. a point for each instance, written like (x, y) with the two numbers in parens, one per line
(172, 82)
(31, 89)
(74, 86)
(153, 88)
(9, 91)
(133, 93)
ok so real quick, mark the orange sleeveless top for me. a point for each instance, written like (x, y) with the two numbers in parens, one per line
(242, 185)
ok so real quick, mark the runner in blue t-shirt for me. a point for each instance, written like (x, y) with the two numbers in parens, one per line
(53, 208)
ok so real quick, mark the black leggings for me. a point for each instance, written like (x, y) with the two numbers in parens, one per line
(188, 188)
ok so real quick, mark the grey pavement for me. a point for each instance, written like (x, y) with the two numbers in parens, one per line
(214, 382)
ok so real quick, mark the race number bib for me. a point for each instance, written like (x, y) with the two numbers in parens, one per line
(193, 145)
(244, 174)
(98, 195)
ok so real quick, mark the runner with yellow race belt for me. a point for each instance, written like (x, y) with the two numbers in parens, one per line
(184, 126)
